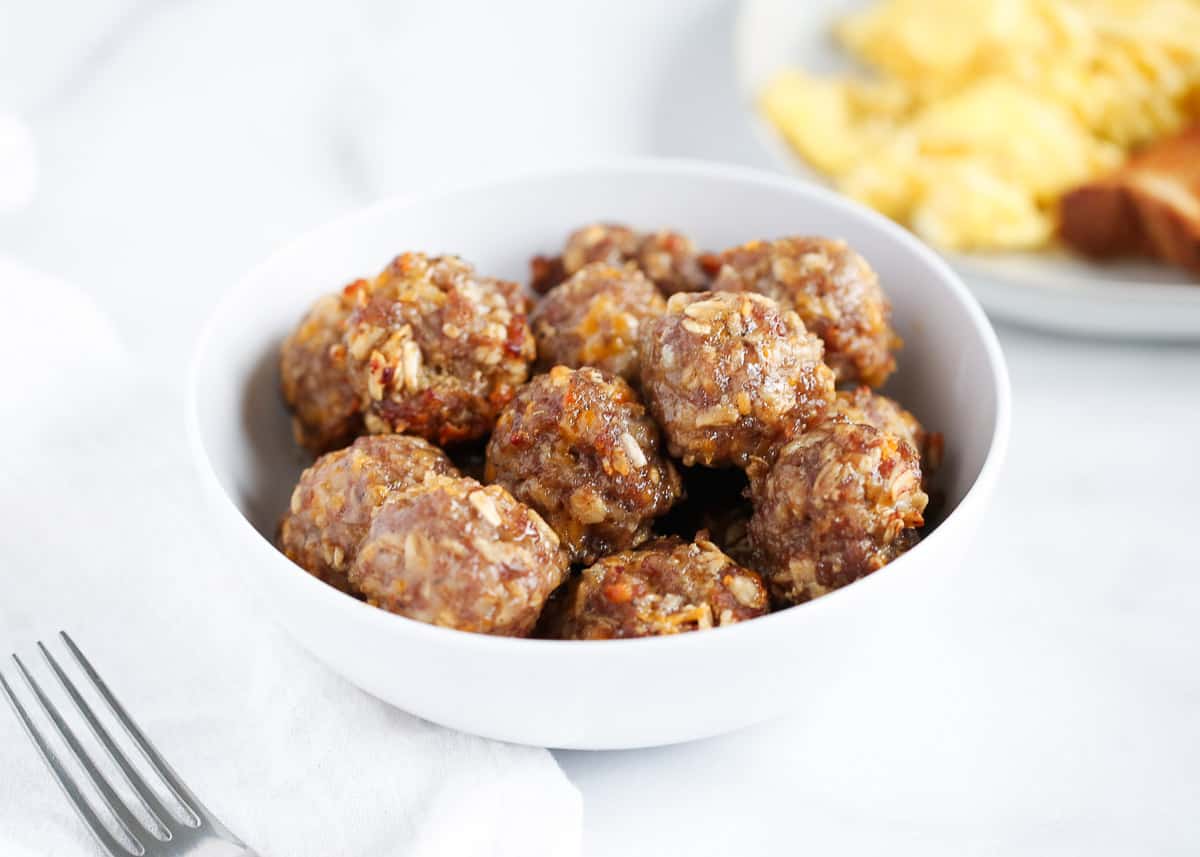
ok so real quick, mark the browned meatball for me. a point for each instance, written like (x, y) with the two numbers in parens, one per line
(862, 405)
(593, 319)
(611, 243)
(437, 350)
(668, 258)
(325, 408)
(577, 446)
(671, 261)
(840, 502)
(455, 553)
(666, 587)
(335, 499)
(835, 292)
(729, 375)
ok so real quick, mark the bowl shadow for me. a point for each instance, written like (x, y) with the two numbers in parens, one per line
(275, 461)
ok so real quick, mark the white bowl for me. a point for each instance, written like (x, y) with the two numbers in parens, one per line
(610, 694)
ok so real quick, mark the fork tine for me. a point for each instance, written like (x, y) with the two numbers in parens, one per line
(112, 800)
(136, 782)
(90, 820)
(160, 765)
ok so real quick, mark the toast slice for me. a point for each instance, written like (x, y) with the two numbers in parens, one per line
(1151, 206)
(1101, 219)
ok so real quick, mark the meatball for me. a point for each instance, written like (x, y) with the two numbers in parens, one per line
(593, 319)
(455, 553)
(612, 243)
(840, 502)
(577, 446)
(861, 405)
(335, 499)
(437, 350)
(669, 259)
(728, 376)
(834, 291)
(666, 587)
(325, 408)
(672, 262)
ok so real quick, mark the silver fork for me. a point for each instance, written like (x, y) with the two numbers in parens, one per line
(205, 836)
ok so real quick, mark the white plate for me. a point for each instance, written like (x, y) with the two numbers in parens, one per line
(1051, 290)
(611, 693)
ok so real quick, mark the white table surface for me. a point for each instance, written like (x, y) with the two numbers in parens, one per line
(1055, 708)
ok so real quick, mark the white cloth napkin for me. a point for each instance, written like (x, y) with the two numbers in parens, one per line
(18, 164)
(103, 533)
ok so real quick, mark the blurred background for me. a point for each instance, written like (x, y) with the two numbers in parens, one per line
(178, 143)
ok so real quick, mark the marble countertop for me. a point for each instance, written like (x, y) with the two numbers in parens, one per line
(1051, 708)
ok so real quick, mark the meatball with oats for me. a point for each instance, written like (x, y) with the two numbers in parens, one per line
(326, 412)
(336, 498)
(593, 319)
(436, 350)
(862, 405)
(578, 446)
(668, 258)
(672, 261)
(834, 291)
(729, 375)
(665, 587)
(839, 502)
(455, 553)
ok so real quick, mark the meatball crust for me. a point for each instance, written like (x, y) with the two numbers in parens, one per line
(668, 258)
(840, 502)
(437, 350)
(612, 243)
(665, 587)
(455, 553)
(862, 405)
(672, 261)
(593, 319)
(336, 498)
(834, 291)
(325, 408)
(578, 446)
(729, 375)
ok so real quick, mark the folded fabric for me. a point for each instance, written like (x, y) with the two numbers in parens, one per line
(18, 164)
(104, 534)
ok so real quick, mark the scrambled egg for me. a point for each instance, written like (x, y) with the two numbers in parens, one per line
(981, 113)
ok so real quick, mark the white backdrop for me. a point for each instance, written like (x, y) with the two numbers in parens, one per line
(1055, 708)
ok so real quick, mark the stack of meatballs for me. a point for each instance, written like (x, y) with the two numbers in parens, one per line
(665, 441)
